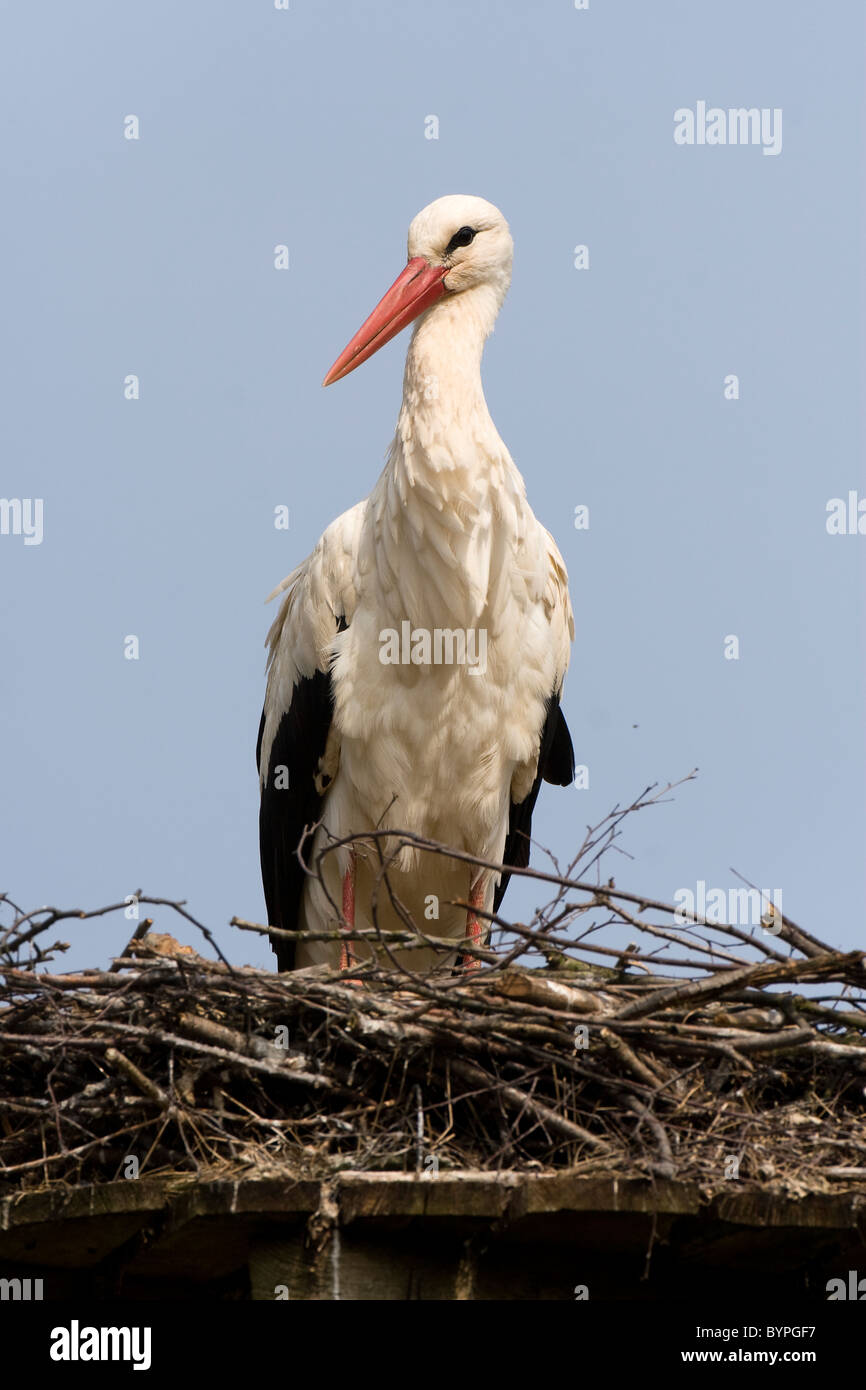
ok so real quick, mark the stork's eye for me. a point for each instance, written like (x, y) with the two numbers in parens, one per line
(462, 238)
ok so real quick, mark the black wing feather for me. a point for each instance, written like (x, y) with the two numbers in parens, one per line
(285, 811)
(555, 765)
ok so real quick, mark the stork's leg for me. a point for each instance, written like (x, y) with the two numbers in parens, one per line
(347, 949)
(473, 925)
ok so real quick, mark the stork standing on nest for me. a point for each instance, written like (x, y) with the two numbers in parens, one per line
(416, 663)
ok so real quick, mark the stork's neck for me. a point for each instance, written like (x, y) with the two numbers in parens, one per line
(444, 414)
(449, 482)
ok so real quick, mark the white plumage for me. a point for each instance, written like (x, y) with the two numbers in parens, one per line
(447, 541)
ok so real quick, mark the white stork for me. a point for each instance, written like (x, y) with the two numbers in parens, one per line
(363, 728)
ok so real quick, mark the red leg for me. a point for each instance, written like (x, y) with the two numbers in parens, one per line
(473, 926)
(347, 949)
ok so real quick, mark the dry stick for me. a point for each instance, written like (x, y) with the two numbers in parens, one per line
(693, 920)
(37, 1041)
(71, 1153)
(791, 933)
(284, 1073)
(667, 935)
(705, 1048)
(837, 1051)
(603, 836)
(519, 1099)
(137, 1077)
(569, 943)
(629, 1058)
(601, 898)
(10, 943)
(747, 1041)
(839, 1017)
(50, 916)
(667, 1167)
(229, 1038)
(141, 930)
(398, 906)
(394, 935)
(92, 980)
(766, 973)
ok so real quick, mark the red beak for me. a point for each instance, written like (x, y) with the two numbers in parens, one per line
(414, 290)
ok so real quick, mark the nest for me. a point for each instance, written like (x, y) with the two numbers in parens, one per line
(694, 1057)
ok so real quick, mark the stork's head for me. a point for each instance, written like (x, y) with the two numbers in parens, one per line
(467, 238)
(456, 244)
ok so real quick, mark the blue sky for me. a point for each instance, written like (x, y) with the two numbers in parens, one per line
(306, 128)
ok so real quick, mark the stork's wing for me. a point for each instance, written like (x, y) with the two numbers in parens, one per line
(295, 759)
(556, 765)
(555, 750)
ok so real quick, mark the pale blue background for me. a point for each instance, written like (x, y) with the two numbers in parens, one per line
(307, 127)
